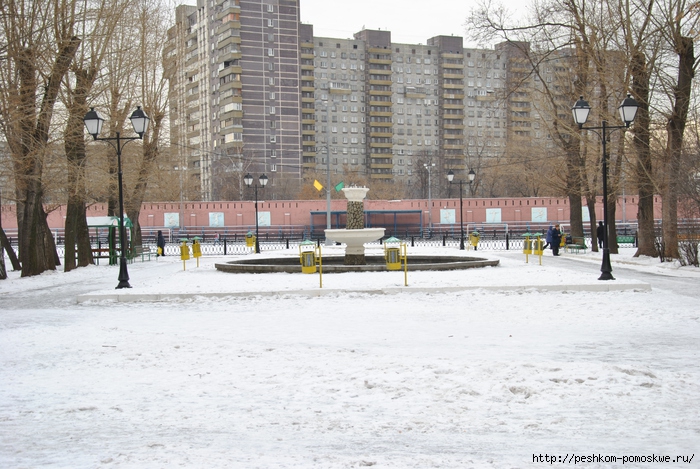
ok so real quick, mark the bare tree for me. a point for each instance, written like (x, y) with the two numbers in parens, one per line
(680, 19)
(97, 26)
(151, 28)
(40, 44)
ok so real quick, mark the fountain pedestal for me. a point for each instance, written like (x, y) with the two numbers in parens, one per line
(355, 235)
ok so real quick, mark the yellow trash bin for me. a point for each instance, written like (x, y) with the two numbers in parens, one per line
(250, 239)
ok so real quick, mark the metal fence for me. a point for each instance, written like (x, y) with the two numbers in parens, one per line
(489, 241)
(486, 243)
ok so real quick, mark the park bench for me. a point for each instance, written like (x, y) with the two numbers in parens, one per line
(141, 251)
(577, 245)
(100, 253)
(625, 239)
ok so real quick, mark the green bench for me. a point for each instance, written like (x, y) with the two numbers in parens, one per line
(143, 252)
(577, 245)
(625, 239)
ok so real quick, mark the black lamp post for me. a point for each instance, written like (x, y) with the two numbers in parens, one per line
(450, 177)
(248, 179)
(93, 123)
(628, 110)
(429, 167)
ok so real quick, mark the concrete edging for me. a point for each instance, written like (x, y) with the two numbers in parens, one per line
(317, 292)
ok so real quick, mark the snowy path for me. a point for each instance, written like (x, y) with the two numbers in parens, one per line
(411, 380)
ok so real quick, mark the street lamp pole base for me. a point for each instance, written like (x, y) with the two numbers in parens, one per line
(606, 268)
(123, 274)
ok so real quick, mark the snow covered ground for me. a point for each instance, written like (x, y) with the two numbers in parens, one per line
(490, 367)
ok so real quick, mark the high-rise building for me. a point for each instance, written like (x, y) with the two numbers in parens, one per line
(253, 90)
(235, 100)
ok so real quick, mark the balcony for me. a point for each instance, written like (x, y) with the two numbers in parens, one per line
(228, 9)
(381, 145)
(452, 126)
(453, 86)
(340, 88)
(413, 92)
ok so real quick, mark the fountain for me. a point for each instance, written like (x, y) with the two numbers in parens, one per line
(355, 235)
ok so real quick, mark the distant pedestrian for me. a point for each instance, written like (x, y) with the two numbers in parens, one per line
(161, 244)
(600, 234)
(548, 238)
(216, 238)
(556, 240)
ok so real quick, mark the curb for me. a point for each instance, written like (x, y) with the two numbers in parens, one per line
(318, 292)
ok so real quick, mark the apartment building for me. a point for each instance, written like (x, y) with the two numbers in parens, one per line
(253, 90)
(234, 90)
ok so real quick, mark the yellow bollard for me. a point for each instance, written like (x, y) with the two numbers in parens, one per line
(539, 246)
(196, 249)
(184, 252)
(527, 246)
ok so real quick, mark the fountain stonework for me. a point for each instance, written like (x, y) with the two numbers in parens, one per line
(355, 235)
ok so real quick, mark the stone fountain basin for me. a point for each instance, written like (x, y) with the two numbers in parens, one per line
(355, 237)
(336, 264)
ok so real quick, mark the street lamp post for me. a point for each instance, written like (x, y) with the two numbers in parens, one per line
(93, 123)
(628, 110)
(329, 242)
(450, 177)
(248, 180)
(429, 167)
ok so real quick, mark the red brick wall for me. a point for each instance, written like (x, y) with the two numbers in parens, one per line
(297, 212)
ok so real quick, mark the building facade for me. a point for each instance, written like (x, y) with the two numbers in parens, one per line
(254, 91)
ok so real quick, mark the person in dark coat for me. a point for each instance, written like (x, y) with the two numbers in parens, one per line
(161, 244)
(548, 238)
(556, 240)
(600, 233)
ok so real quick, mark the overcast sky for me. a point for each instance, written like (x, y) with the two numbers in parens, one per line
(410, 21)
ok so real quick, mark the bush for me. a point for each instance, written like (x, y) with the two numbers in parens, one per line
(688, 251)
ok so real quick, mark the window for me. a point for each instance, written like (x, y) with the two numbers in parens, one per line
(273, 138)
(271, 52)
(271, 23)
(270, 8)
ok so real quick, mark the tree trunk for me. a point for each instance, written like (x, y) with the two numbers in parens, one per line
(574, 164)
(614, 185)
(10, 252)
(77, 232)
(150, 154)
(3, 272)
(591, 201)
(36, 246)
(674, 146)
(643, 168)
